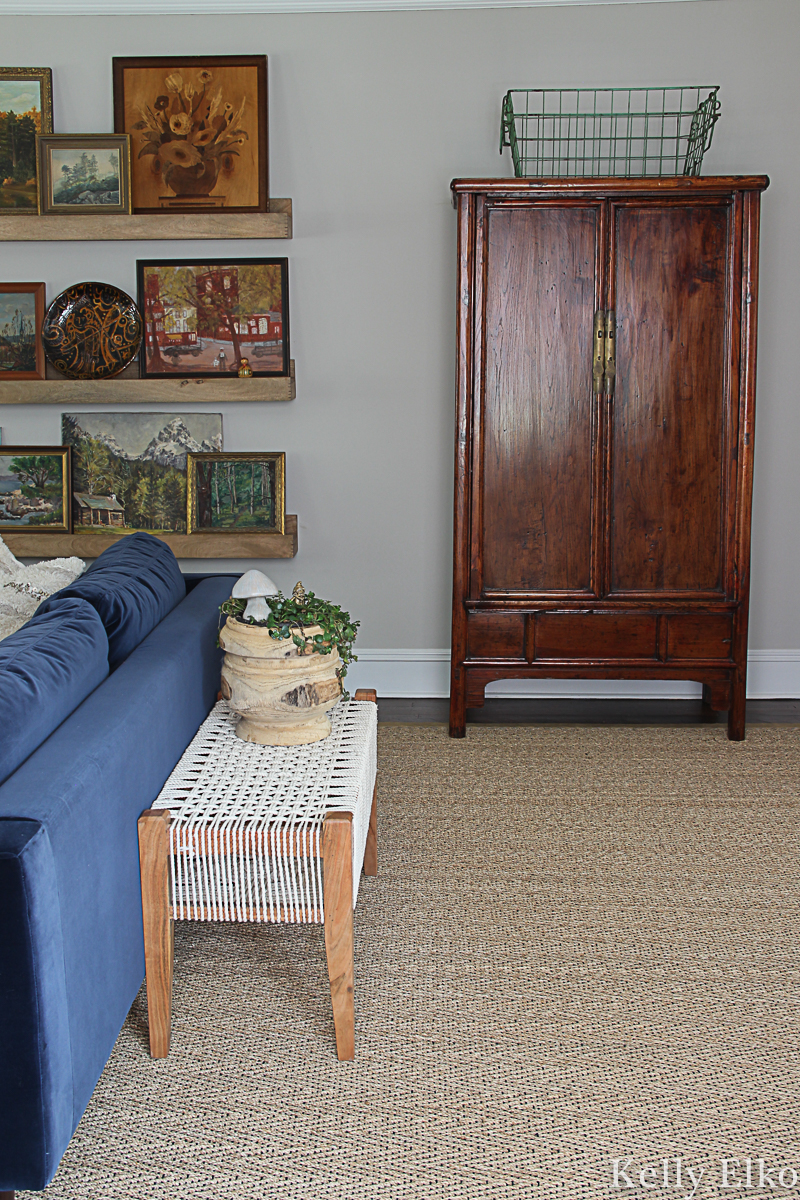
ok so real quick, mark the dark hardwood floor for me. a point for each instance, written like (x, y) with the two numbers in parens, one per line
(586, 712)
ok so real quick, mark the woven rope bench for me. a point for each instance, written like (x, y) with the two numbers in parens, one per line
(242, 832)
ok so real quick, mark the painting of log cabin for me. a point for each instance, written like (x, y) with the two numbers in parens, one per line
(204, 318)
(129, 469)
(241, 492)
(97, 510)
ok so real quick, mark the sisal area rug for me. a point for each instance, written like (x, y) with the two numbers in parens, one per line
(577, 976)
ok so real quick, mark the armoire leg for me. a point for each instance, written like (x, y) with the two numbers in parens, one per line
(736, 712)
(458, 705)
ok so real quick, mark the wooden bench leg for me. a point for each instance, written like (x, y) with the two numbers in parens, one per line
(371, 850)
(158, 925)
(337, 850)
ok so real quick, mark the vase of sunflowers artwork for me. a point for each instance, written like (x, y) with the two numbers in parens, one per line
(198, 131)
(191, 132)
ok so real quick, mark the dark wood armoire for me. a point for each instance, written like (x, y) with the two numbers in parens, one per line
(604, 433)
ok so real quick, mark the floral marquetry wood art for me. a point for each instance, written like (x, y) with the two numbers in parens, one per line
(199, 131)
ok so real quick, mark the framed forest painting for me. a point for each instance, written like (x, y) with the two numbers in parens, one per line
(199, 131)
(26, 109)
(205, 316)
(242, 493)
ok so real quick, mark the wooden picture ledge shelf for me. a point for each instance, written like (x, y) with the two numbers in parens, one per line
(149, 227)
(183, 545)
(126, 390)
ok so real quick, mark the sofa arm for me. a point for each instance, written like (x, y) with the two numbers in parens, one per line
(36, 1117)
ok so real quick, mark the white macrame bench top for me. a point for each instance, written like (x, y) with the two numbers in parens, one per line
(247, 805)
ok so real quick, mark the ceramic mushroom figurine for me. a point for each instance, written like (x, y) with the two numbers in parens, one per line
(253, 587)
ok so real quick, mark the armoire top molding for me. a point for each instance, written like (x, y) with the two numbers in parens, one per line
(97, 8)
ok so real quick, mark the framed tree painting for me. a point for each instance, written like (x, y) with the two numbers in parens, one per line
(35, 489)
(26, 108)
(204, 317)
(21, 316)
(84, 173)
(241, 493)
(198, 128)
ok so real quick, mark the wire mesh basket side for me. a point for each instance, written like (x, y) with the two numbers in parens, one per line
(608, 131)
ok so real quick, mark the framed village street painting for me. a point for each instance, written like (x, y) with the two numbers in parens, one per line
(242, 493)
(84, 173)
(26, 108)
(129, 469)
(21, 316)
(34, 488)
(198, 127)
(204, 316)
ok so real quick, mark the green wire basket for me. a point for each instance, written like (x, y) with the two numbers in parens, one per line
(608, 131)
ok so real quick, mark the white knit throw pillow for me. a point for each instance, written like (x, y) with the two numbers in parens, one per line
(22, 589)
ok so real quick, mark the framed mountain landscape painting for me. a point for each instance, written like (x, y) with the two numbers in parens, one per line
(129, 469)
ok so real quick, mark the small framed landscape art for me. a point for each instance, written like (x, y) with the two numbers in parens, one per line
(26, 108)
(242, 493)
(21, 316)
(204, 316)
(198, 127)
(84, 173)
(34, 488)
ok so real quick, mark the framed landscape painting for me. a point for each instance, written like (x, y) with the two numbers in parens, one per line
(129, 469)
(21, 316)
(34, 488)
(26, 108)
(204, 316)
(84, 173)
(242, 493)
(198, 127)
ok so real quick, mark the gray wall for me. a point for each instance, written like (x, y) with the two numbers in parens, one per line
(371, 115)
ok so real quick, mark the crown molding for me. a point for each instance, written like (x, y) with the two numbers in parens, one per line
(112, 8)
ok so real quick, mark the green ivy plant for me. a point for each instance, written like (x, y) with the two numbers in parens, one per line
(291, 616)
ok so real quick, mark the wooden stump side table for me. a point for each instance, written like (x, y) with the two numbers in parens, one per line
(242, 832)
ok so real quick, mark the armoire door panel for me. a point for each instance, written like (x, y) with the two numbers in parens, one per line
(538, 412)
(669, 288)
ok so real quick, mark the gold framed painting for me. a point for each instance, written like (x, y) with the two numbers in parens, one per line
(84, 173)
(236, 493)
(35, 489)
(26, 109)
(198, 129)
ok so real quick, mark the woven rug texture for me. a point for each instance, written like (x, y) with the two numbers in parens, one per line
(581, 947)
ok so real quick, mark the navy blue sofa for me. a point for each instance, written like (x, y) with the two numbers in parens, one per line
(100, 693)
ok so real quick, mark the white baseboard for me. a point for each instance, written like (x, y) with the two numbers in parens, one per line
(418, 674)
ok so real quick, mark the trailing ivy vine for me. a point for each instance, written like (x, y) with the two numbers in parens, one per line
(291, 616)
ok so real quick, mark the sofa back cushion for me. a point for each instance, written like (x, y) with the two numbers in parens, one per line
(132, 585)
(47, 669)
